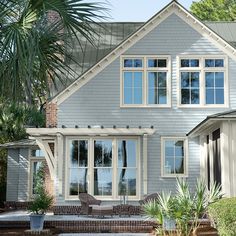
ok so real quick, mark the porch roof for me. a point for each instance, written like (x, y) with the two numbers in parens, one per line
(210, 120)
(90, 131)
(19, 144)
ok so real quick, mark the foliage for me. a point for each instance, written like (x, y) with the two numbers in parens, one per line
(13, 119)
(214, 10)
(223, 213)
(42, 200)
(185, 206)
(33, 46)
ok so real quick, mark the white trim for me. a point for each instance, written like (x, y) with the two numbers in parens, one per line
(145, 69)
(38, 132)
(145, 163)
(173, 7)
(163, 139)
(90, 167)
(202, 69)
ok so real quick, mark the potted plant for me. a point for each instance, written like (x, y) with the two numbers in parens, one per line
(42, 201)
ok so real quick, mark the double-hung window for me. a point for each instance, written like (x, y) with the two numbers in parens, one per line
(104, 167)
(203, 81)
(174, 155)
(145, 81)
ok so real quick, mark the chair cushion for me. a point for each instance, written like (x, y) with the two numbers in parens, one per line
(106, 207)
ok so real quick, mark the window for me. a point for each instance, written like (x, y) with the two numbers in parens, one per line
(37, 161)
(104, 167)
(173, 157)
(145, 81)
(127, 168)
(78, 168)
(202, 81)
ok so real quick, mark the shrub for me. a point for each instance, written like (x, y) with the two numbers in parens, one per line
(223, 213)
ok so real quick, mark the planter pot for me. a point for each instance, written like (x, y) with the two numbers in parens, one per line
(168, 224)
(36, 222)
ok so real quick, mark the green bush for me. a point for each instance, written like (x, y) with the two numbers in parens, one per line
(223, 213)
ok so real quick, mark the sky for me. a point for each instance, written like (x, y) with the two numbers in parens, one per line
(137, 10)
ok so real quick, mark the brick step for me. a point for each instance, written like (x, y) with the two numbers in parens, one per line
(205, 231)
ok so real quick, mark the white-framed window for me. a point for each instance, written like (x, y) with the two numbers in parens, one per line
(103, 167)
(145, 81)
(37, 161)
(203, 81)
(174, 156)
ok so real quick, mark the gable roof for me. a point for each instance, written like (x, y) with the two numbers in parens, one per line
(227, 115)
(172, 7)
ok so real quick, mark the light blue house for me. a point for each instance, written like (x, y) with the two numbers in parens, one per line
(159, 105)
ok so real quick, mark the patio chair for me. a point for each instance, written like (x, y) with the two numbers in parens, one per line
(86, 201)
(150, 197)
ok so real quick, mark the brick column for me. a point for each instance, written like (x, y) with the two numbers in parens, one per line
(51, 115)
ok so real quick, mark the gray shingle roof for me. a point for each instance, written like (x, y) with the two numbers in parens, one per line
(112, 34)
(18, 144)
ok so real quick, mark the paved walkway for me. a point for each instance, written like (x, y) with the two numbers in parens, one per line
(108, 234)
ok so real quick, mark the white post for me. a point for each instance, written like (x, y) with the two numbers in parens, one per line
(145, 179)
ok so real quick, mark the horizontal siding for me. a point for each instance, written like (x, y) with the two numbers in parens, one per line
(12, 175)
(98, 102)
(23, 174)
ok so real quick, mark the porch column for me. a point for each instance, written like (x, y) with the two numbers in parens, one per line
(225, 157)
(203, 157)
(59, 165)
(145, 179)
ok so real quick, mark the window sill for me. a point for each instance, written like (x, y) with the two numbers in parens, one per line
(174, 176)
(145, 106)
(203, 106)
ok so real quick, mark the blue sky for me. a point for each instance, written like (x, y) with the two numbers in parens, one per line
(137, 10)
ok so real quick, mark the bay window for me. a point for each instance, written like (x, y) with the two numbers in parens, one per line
(103, 167)
(145, 81)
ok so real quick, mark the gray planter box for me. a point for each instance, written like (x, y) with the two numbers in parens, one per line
(36, 222)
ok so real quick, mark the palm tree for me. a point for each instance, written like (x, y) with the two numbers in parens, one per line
(33, 46)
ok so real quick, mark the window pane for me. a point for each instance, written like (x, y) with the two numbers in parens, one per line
(185, 79)
(128, 63)
(194, 63)
(127, 153)
(127, 182)
(152, 63)
(219, 96)
(185, 96)
(162, 98)
(152, 79)
(179, 148)
(74, 177)
(103, 181)
(37, 165)
(128, 95)
(219, 79)
(83, 184)
(152, 96)
(184, 63)
(209, 79)
(169, 148)
(103, 153)
(209, 96)
(128, 79)
(179, 165)
(74, 153)
(83, 153)
(162, 79)
(138, 79)
(195, 79)
(209, 63)
(219, 63)
(138, 63)
(162, 63)
(195, 96)
(169, 165)
(138, 96)
(37, 153)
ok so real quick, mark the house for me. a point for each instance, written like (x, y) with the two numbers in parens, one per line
(159, 105)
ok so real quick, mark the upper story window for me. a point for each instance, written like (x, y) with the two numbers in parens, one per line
(202, 81)
(145, 81)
